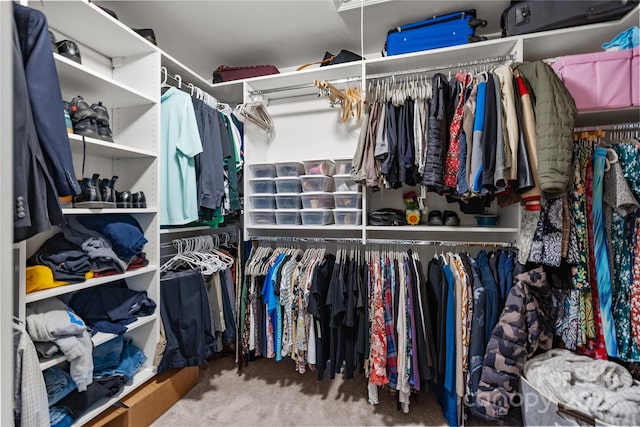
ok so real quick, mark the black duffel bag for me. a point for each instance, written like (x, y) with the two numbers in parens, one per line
(387, 216)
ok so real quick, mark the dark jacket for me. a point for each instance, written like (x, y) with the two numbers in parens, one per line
(35, 199)
(433, 177)
(46, 100)
(555, 112)
(523, 329)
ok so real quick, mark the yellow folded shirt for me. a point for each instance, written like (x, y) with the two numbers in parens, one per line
(40, 277)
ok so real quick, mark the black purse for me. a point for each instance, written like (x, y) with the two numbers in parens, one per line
(331, 59)
(387, 217)
(342, 57)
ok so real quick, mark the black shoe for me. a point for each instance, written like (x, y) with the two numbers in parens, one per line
(434, 218)
(451, 219)
(107, 189)
(102, 120)
(123, 199)
(83, 118)
(109, 11)
(138, 200)
(69, 49)
(54, 42)
(147, 34)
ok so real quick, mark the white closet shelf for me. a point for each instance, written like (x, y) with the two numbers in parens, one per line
(451, 55)
(100, 148)
(76, 79)
(97, 339)
(96, 211)
(306, 227)
(304, 77)
(61, 290)
(608, 116)
(144, 375)
(185, 229)
(90, 25)
(438, 229)
(574, 40)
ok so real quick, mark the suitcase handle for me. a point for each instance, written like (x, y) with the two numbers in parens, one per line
(435, 20)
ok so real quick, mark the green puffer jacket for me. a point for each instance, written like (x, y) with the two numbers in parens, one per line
(555, 112)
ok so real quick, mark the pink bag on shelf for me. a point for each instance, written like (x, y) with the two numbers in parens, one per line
(600, 80)
(635, 77)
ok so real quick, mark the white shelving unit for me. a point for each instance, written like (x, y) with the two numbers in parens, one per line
(120, 69)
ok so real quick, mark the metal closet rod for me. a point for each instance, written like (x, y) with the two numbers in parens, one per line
(618, 126)
(484, 61)
(384, 241)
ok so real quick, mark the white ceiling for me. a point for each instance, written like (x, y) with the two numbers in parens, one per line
(285, 33)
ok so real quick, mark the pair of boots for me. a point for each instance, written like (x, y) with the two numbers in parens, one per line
(101, 193)
(91, 121)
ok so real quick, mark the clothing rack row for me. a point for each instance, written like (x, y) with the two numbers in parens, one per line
(192, 90)
(443, 243)
(474, 63)
(617, 126)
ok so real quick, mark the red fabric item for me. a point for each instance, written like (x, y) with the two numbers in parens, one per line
(452, 161)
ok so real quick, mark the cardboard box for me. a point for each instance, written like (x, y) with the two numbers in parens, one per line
(151, 400)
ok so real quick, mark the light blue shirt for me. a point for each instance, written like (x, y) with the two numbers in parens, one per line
(179, 144)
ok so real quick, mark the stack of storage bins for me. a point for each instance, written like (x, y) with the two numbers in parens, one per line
(288, 189)
(317, 189)
(347, 197)
(262, 197)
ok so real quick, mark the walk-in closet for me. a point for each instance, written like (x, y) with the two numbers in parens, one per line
(327, 212)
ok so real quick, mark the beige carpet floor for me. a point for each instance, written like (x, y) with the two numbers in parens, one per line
(270, 393)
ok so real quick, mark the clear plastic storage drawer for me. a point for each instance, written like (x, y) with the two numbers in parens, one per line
(288, 201)
(317, 200)
(345, 183)
(316, 183)
(263, 217)
(263, 170)
(319, 167)
(348, 200)
(289, 168)
(263, 201)
(343, 166)
(262, 186)
(317, 216)
(288, 217)
(289, 184)
(348, 216)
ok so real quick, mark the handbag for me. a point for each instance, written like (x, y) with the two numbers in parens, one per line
(331, 59)
(387, 217)
(225, 74)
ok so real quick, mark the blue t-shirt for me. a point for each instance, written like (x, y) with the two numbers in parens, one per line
(179, 144)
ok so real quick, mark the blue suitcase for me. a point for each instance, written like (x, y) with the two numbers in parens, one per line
(440, 31)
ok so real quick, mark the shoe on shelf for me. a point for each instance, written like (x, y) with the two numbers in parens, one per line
(434, 218)
(138, 200)
(67, 117)
(123, 199)
(90, 196)
(147, 34)
(84, 119)
(102, 119)
(69, 49)
(54, 42)
(451, 219)
(107, 189)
